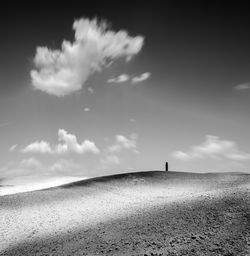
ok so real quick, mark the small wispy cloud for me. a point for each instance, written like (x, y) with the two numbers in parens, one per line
(132, 120)
(110, 160)
(67, 144)
(140, 78)
(13, 148)
(110, 154)
(242, 87)
(125, 77)
(213, 147)
(122, 142)
(90, 90)
(86, 109)
(64, 71)
(120, 79)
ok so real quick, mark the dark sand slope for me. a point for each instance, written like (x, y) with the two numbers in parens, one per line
(154, 213)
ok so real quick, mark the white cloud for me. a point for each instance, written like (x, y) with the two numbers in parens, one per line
(61, 72)
(121, 143)
(38, 147)
(110, 160)
(13, 147)
(141, 77)
(124, 78)
(124, 143)
(181, 155)
(67, 144)
(213, 147)
(30, 162)
(66, 166)
(90, 90)
(86, 109)
(30, 174)
(25, 167)
(120, 79)
(132, 120)
(242, 87)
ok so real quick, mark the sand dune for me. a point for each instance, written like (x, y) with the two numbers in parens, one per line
(33, 183)
(149, 213)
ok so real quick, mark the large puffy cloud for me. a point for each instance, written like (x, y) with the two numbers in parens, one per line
(38, 147)
(213, 147)
(67, 143)
(61, 72)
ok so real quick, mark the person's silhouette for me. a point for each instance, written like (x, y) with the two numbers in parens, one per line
(166, 166)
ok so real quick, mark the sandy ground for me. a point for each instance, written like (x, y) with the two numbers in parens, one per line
(31, 183)
(154, 213)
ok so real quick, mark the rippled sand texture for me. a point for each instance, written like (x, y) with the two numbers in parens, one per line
(153, 213)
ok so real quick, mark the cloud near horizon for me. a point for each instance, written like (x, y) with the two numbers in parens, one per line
(66, 166)
(32, 167)
(213, 147)
(67, 144)
(62, 72)
(30, 162)
(110, 159)
(121, 142)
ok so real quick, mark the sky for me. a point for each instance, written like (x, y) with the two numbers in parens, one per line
(90, 89)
